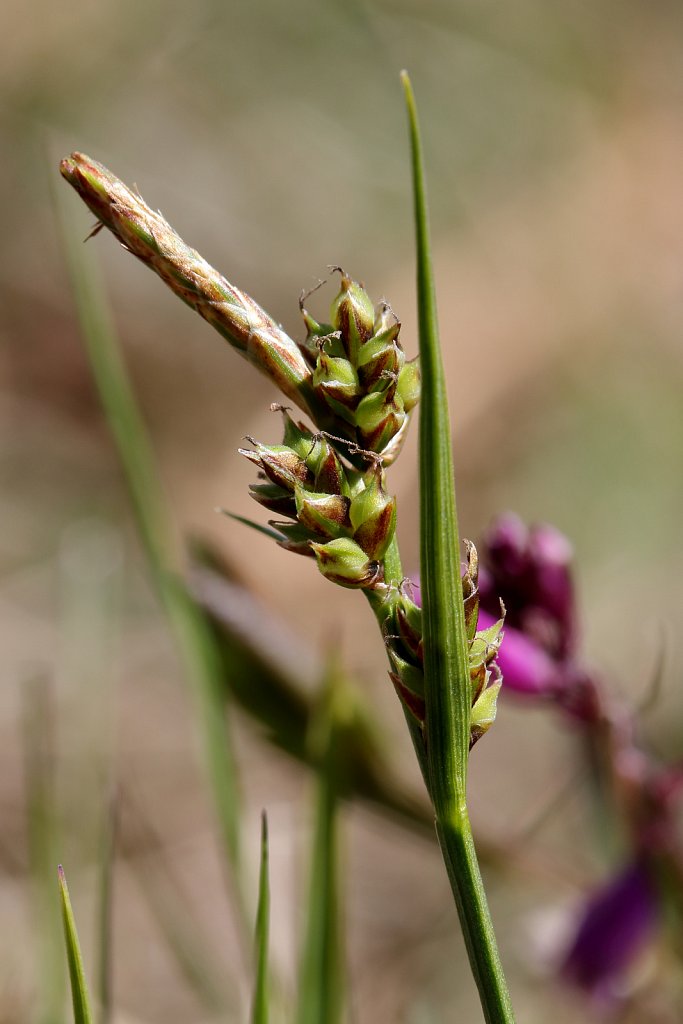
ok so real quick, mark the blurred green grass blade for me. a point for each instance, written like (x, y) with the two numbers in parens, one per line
(267, 531)
(260, 1010)
(104, 922)
(447, 680)
(446, 660)
(42, 840)
(321, 976)
(118, 401)
(193, 635)
(79, 988)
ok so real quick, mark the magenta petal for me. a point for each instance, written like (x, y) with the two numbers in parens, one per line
(527, 669)
(614, 927)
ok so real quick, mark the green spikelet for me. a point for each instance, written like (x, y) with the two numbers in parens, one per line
(360, 371)
(344, 562)
(373, 515)
(404, 645)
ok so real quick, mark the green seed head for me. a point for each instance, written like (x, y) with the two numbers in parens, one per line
(344, 562)
(276, 499)
(379, 417)
(379, 358)
(337, 381)
(326, 515)
(484, 712)
(353, 315)
(282, 465)
(373, 515)
(295, 537)
(409, 384)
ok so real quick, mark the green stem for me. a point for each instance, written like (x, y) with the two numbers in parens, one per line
(460, 858)
(393, 571)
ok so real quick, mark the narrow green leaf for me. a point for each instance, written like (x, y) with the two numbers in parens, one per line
(447, 678)
(193, 635)
(104, 923)
(260, 1009)
(321, 975)
(447, 689)
(43, 841)
(79, 988)
(258, 527)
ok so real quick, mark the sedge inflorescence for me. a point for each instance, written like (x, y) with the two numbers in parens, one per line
(327, 485)
(332, 490)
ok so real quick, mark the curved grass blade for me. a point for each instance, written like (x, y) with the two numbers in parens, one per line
(104, 924)
(261, 1004)
(321, 975)
(79, 988)
(447, 685)
(43, 840)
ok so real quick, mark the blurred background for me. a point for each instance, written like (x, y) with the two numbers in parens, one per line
(272, 137)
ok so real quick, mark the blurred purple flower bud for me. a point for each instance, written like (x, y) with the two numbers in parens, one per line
(550, 557)
(506, 544)
(614, 926)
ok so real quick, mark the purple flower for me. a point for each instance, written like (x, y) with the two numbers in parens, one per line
(529, 569)
(613, 929)
(527, 669)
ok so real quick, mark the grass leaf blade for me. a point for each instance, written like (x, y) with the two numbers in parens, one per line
(79, 988)
(321, 976)
(447, 686)
(105, 907)
(260, 1010)
(446, 656)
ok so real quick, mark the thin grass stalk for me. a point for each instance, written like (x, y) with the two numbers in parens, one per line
(260, 1013)
(42, 843)
(105, 908)
(447, 678)
(321, 976)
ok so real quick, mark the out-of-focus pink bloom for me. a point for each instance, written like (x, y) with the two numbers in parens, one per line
(529, 569)
(613, 928)
(527, 669)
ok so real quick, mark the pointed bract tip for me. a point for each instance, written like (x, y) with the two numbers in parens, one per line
(67, 167)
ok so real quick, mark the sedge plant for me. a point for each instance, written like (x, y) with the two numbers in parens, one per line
(326, 484)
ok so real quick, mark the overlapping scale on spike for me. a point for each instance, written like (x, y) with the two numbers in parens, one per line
(404, 644)
(340, 515)
(360, 371)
